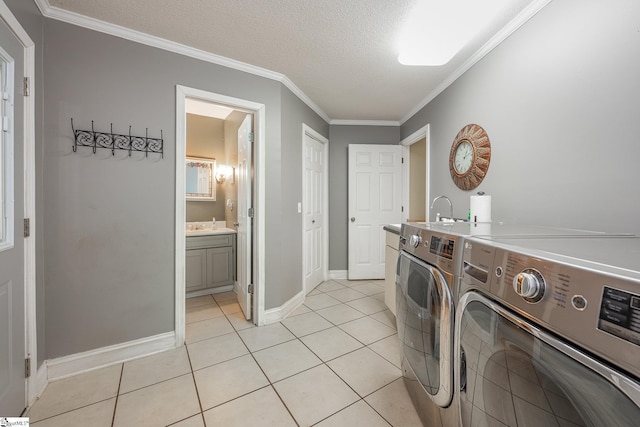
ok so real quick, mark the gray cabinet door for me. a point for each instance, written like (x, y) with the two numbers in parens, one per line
(196, 269)
(220, 266)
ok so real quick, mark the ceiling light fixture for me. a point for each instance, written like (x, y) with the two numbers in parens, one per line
(438, 29)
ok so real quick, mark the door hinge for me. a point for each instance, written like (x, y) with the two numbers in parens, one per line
(250, 213)
(401, 208)
(402, 160)
(250, 136)
(250, 288)
(27, 227)
(27, 367)
(25, 84)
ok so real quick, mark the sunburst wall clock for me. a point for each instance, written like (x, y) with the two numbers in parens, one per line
(469, 157)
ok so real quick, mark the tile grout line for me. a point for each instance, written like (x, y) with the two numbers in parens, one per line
(195, 384)
(115, 406)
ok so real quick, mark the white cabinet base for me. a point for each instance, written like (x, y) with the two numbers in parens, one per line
(390, 260)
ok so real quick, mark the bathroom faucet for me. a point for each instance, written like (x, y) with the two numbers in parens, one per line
(450, 204)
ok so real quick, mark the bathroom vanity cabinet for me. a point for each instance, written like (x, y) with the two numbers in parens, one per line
(210, 261)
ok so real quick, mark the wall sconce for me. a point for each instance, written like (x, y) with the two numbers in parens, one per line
(222, 172)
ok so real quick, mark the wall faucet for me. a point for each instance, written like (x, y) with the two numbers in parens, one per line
(450, 204)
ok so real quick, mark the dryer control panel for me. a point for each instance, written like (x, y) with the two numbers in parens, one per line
(620, 314)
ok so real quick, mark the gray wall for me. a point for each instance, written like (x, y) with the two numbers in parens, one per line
(289, 191)
(206, 139)
(340, 137)
(108, 221)
(560, 101)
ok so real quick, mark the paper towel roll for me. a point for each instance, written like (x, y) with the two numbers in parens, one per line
(480, 208)
(480, 229)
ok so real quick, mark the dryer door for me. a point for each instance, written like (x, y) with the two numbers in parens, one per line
(514, 374)
(424, 317)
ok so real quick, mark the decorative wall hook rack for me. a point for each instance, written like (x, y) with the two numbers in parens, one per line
(114, 141)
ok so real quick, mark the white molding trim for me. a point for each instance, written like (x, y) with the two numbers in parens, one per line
(423, 132)
(308, 131)
(259, 117)
(274, 315)
(136, 36)
(337, 122)
(416, 136)
(181, 217)
(528, 13)
(31, 338)
(93, 359)
(212, 291)
(338, 274)
(41, 381)
(104, 27)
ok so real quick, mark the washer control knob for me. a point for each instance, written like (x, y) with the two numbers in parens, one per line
(530, 285)
(415, 240)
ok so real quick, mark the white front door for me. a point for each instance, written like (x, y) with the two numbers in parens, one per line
(12, 261)
(375, 200)
(244, 258)
(313, 212)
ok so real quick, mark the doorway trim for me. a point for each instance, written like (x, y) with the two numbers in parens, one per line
(423, 132)
(258, 110)
(307, 131)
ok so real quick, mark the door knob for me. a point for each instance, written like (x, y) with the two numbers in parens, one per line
(353, 219)
(313, 221)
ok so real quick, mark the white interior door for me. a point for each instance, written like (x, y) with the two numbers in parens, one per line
(375, 200)
(313, 212)
(244, 258)
(12, 261)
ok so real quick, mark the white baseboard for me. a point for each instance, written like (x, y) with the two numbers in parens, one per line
(89, 360)
(338, 274)
(210, 291)
(40, 383)
(277, 314)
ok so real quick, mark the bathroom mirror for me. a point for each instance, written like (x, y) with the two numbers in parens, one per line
(199, 179)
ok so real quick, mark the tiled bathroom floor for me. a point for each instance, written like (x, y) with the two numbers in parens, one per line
(333, 362)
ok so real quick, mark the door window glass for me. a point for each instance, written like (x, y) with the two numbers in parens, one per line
(6, 151)
(509, 377)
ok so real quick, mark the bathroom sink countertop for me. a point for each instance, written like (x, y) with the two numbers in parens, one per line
(210, 232)
(207, 228)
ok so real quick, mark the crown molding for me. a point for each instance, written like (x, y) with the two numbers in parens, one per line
(136, 36)
(526, 14)
(94, 24)
(364, 123)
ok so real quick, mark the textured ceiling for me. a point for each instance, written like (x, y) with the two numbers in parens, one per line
(341, 54)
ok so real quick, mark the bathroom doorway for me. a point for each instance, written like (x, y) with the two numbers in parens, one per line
(209, 129)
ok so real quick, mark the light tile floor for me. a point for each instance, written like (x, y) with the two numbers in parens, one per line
(335, 361)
